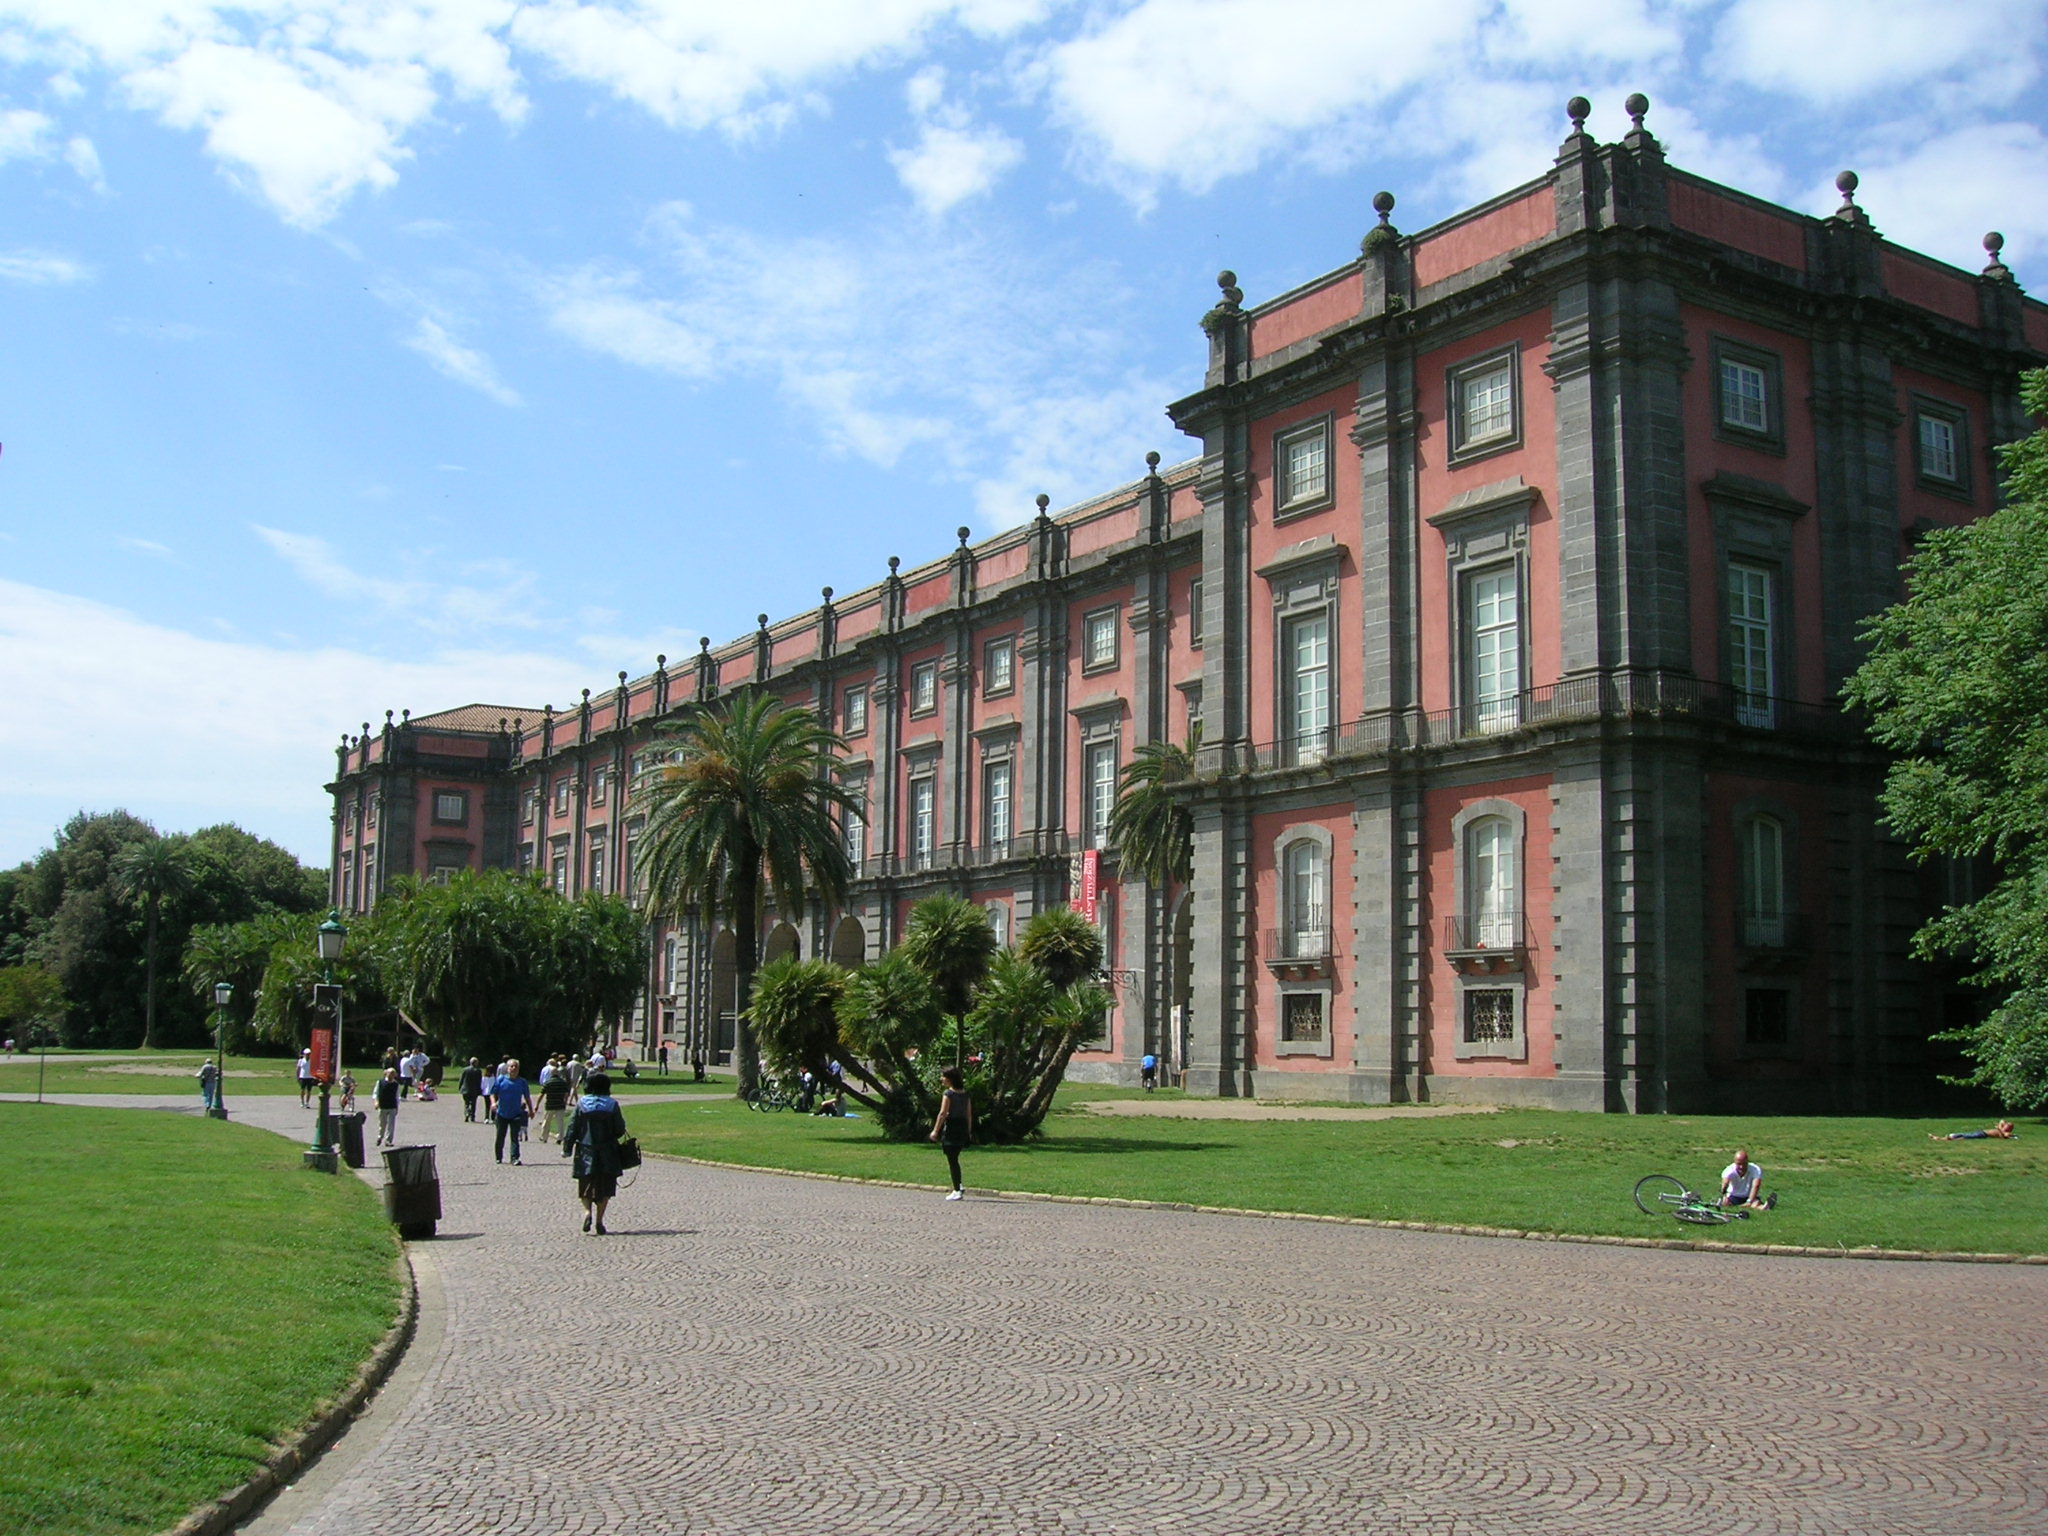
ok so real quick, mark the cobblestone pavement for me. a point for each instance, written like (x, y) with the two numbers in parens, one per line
(760, 1354)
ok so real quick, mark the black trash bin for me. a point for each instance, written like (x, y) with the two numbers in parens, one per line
(348, 1133)
(412, 1190)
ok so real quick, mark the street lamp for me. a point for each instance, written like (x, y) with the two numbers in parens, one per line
(223, 994)
(330, 936)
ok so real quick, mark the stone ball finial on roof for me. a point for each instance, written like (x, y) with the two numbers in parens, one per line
(761, 619)
(661, 658)
(894, 562)
(1846, 184)
(962, 530)
(1044, 501)
(1152, 459)
(704, 644)
(586, 695)
(1994, 245)
(1637, 106)
(622, 677)
(1227, 281)
(826, 593)
(1578, 109)
(1383, 204)
(405, 717)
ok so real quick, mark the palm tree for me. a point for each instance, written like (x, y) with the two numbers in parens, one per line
(751, 801)
(950, 940)
(1151, 826)
(148, 872)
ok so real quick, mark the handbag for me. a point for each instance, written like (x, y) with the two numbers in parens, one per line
(629, 1152)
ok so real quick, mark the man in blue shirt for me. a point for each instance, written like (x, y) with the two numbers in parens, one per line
(1149, 1068)
(514, 1101)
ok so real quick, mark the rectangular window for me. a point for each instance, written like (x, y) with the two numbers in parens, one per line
(1493, 648)
(924, 822)
(1098, 648)
(441, 873)
(857, 832)
(924, 687)
(526, 858)
(451, 807)
(998, 667)
(558, 867)
(1305, 647)
(999, 923)
(1751, 665)
(631, 877)
(995, 807)
(1489, 1016)
(1301, 467)
(1941, 445)
(1482, 405)
(1195, 614)
(599, 778)
(856, 712)
(1194, 721)
(1099, 777)
(348, 889)
(1766, 1016)
(562, 796)
(373, 813)
(1745, 404)
(1301, 1018)
(595, 880)
(529, 806)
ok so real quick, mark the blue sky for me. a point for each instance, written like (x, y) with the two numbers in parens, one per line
(368, 354)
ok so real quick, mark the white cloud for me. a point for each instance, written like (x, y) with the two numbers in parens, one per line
(92, 681)
(84, 161)
(465, 365)
(41, 268)
(147, 547)
(1833, 51)
(24, 135)
(964, 357)
(953, 160)
(497, 596)
(1939, 194)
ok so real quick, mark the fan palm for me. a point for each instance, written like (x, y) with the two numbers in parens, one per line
(149, 872)
(1151, 826)
(750, 803)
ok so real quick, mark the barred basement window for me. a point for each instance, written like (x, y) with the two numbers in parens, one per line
(1767, 1016)
(1489, 1015)
(1301, 1022)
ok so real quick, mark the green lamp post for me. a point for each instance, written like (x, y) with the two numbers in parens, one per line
(330, 936)
(223, 994)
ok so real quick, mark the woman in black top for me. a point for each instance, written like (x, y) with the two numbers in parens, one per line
(955, 1124)
(593, 1134)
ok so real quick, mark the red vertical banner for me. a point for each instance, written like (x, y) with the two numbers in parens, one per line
(1088, 884)
(323, 1055)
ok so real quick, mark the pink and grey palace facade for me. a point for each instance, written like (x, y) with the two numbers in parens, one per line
(1511, 588)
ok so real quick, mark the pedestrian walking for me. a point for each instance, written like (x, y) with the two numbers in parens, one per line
(663, 1054)
(554, 1104)
(405, 1075)
(955, 1125)
(593, 1136)
(1148, 1071)
(306, 1078)
(348, 1091)
(471, 1086)
(209, 1084)
(513, 1102)
(387, 1108)
(577, 1072)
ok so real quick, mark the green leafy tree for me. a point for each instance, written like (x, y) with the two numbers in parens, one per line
(749, 808)
(151, 873)
(1957, 685)
(238, 954)
(949, 938)
(31, 1000)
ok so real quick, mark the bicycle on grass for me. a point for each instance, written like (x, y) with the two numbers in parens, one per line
(1657, 1193)
(768, 1096)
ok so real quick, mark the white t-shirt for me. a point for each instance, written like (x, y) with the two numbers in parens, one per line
(405, 1069)
(1740, 1183)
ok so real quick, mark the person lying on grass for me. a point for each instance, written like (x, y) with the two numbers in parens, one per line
(2002, 1131)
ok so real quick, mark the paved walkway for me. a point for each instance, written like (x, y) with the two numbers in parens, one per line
(753, 1354)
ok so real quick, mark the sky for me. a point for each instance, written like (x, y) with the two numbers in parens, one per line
(401, 354)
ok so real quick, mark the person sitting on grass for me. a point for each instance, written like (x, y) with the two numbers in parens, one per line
(2002, 1131)
(1742, 1183)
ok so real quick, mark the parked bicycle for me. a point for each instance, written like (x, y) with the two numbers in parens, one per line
(768, 1096)
(1658, 1193)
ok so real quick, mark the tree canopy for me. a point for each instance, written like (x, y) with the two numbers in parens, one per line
(1956, 685)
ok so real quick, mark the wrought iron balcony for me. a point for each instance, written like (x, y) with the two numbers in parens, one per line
(1300, 950)
(1781, 933)
(1489, 941)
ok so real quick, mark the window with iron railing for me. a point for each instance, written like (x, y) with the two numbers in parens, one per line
(1305, 648)
(1493, 888)
(1489, 1015)
(1301, 1018)
(1493, 648)
(1752, 668)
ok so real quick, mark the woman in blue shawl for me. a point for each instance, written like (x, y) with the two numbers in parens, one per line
(593, 1135)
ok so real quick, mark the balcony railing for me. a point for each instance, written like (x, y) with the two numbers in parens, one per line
(1647, 694)
(1301, 943)
(1786, 932)
(1484, 934)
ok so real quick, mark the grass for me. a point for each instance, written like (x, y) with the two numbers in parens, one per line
(176, 1295)
(1842, 1182)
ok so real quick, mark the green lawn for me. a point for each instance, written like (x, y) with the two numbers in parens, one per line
(160, 1072)
(1843, 1182)
(176, 1295)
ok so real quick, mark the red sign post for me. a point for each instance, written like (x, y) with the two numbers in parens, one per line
(323, 1055)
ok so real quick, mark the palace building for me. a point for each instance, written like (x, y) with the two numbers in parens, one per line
(1512, 586)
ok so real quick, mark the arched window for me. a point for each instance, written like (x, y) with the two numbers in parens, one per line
(999, 922)
(1305, 930)
(1493, 887)
(1763, 883)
